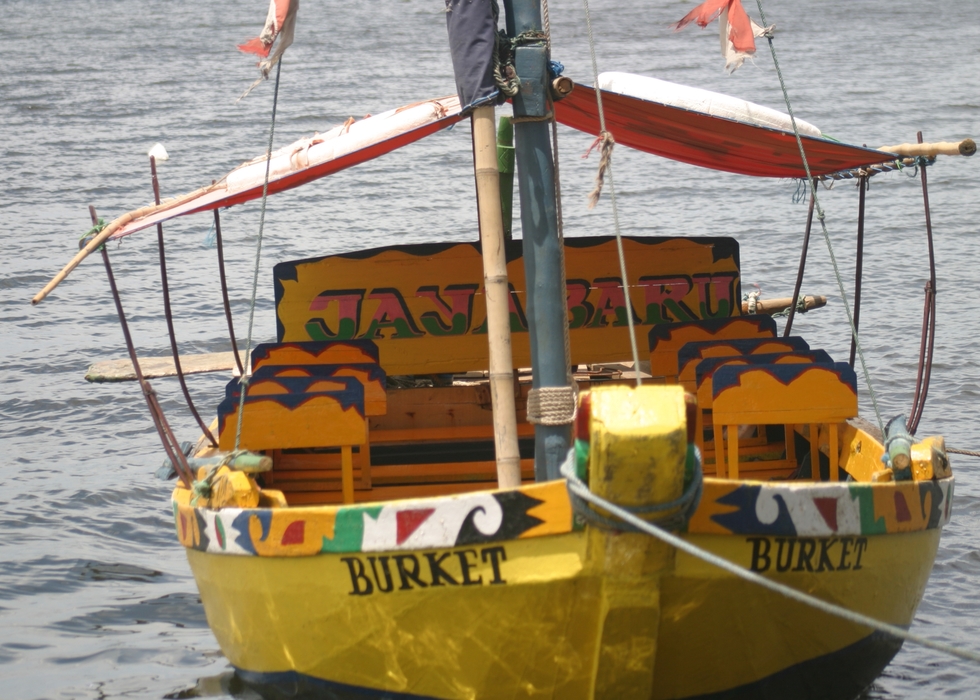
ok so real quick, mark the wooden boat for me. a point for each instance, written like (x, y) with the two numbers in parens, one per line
(371, 550)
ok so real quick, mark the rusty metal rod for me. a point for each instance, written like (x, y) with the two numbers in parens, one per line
(799, 275)
(170, 444)
(168, 313)
(858, 263)
(224, 291)
(927, 344)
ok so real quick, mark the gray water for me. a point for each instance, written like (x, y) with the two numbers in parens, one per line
(96, 599)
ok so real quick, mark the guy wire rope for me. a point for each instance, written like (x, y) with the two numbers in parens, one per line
(580, 489)
(823, 222)
(258, 256)
(606, 140)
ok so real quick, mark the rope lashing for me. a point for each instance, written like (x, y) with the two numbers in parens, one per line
(504, 73)
(551, 405)
(672, 515)
(95, 230)
(577, 487)
(605, 143)
(800, 307)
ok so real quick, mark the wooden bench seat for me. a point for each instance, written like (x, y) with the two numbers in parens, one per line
(811, 395)
(704, 371)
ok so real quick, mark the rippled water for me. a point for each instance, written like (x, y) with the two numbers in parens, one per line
(96, 599)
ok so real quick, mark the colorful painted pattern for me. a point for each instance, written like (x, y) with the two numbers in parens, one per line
(451, 521)
(727, 508)
(820, 510)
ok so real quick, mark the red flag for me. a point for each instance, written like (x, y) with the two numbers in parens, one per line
(281, 14)
(737, 31)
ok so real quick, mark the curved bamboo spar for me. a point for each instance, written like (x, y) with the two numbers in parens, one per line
(966, 147)
(104, 235)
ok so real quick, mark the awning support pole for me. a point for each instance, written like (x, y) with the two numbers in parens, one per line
(168, 312)
(170, 444)
(799, 274)
(495, 283)
(858, 263)
(224, 291)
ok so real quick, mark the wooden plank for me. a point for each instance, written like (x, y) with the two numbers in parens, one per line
(395, 475)
(459, 432)
(153, 367)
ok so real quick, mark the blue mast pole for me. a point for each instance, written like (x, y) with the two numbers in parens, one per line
(543, 248)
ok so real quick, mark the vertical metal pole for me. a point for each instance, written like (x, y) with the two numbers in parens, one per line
(543, 250)
(224, 291)
(802, 269)
(169, 314)
(858, 263)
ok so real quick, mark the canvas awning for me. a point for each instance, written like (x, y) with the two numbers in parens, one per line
(709, 141)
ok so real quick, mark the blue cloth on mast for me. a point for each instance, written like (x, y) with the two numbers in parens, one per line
(472, 33)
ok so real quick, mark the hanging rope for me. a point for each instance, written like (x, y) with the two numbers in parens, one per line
(246, 376)
(605, 169)
(823, 223)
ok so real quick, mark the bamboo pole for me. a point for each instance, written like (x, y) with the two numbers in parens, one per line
(105, 233)
(966, 147)
(775, 306)
(497, 296)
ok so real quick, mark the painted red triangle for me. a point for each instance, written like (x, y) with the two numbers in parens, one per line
(409, 521)
(828, 509)
(902, 513)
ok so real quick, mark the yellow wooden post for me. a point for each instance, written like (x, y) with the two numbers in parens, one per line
(365, 459)
(732, 451)
(815, 451)
(719, 441)
(347, 473)
(833, 451)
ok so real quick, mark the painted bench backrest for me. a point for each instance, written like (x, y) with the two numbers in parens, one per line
(666, 341)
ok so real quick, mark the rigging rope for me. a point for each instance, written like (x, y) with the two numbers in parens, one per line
(246, 375)
(579, 489)
(607, 142)
(823, 223)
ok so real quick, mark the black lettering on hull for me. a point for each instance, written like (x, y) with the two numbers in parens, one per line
(813, 554)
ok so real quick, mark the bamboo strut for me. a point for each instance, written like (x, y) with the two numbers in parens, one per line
(775, 306)
(107, 232)
(966, 147)
(497, 297)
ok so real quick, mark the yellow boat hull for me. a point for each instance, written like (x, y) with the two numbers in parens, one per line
(580, 614)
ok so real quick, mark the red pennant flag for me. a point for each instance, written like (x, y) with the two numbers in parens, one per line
(280, 12)
(738, 31)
